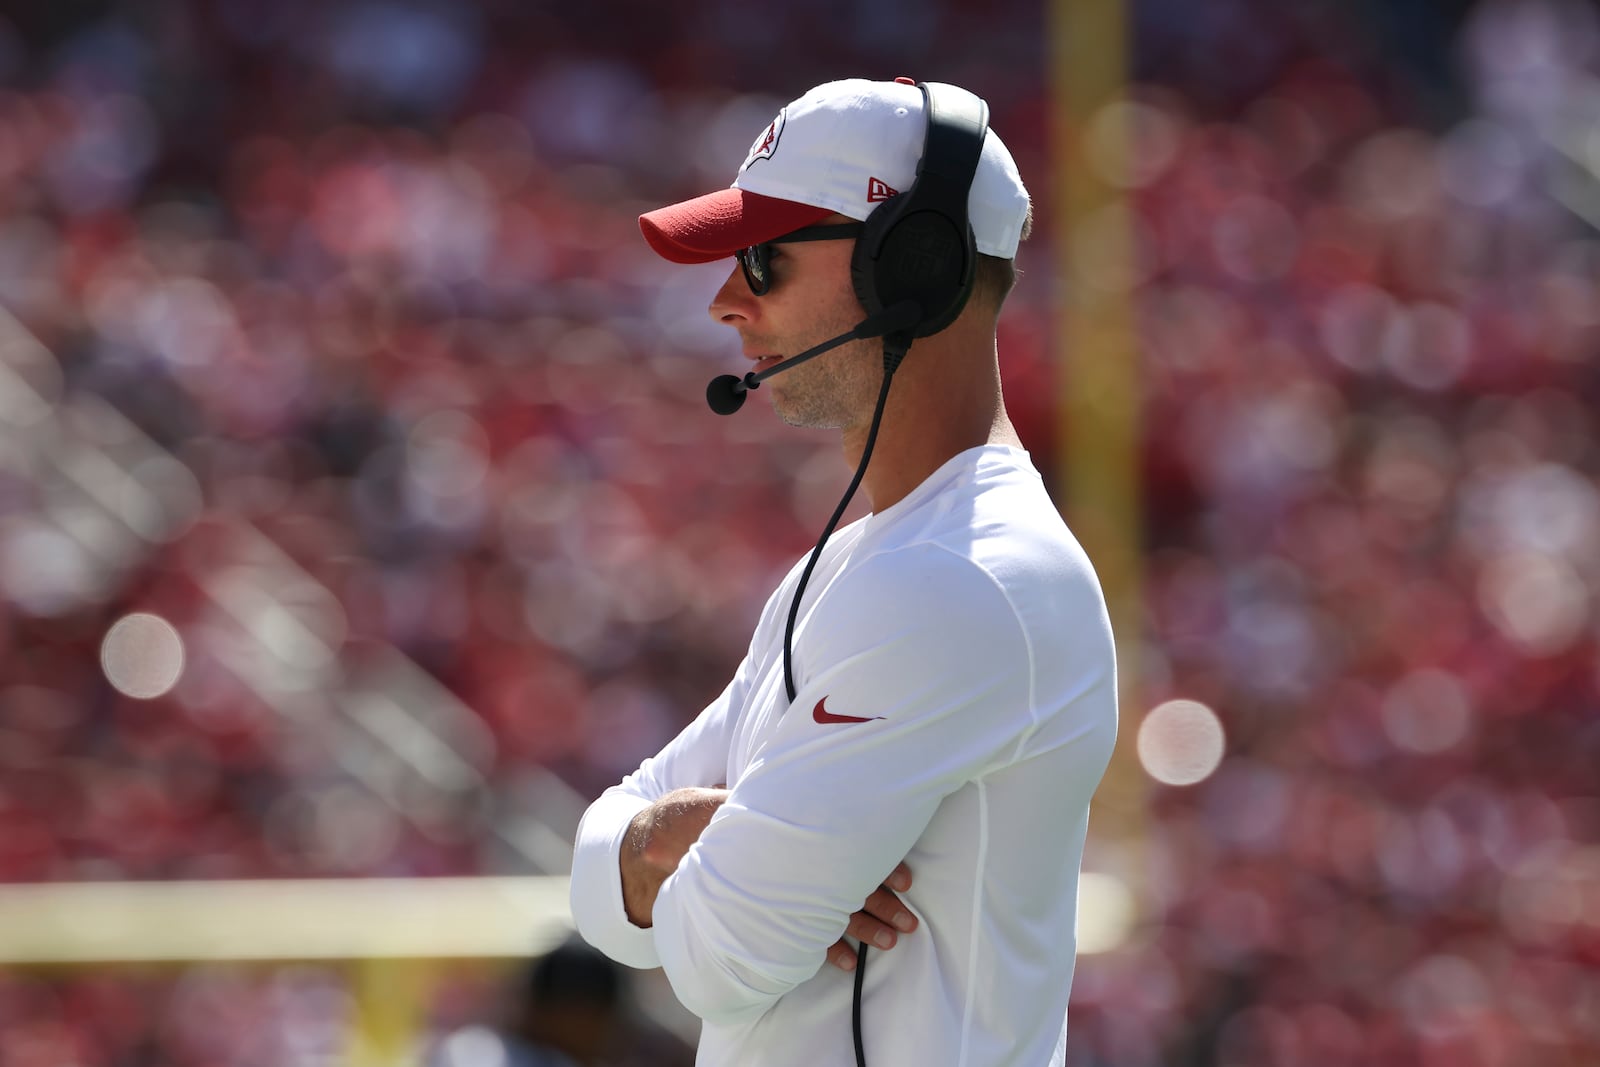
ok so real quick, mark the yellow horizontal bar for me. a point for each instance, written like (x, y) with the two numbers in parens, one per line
(282, 920)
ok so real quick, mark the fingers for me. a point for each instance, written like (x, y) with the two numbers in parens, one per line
(900, 878)
(842, 955)
(887, 909)
(880, 919)
(879, 922)
(864, 927)
(873, 931)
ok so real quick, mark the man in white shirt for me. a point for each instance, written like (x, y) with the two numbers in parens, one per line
(907, 753)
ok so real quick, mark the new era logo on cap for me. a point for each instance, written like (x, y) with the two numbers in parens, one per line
(879, 190)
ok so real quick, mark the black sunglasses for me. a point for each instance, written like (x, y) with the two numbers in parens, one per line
(756, 261)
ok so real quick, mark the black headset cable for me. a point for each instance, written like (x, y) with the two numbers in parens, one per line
(894, 350)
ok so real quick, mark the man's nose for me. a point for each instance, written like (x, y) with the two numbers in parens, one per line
(734, 301)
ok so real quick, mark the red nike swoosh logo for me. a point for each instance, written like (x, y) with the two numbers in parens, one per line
(824, 716)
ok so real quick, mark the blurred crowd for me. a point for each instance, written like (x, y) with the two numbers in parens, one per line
(370, 272)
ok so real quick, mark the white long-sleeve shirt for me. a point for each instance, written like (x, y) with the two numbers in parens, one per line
(967, 629)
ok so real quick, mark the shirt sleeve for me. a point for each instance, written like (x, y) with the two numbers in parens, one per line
(697, 756)
(924, 648)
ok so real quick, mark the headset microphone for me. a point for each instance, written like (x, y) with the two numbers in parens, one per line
(727, 392)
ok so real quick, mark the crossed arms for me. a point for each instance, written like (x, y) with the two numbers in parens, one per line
(743, 894)
(660, 835)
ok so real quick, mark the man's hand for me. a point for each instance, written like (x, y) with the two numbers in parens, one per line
(878, 920)
(657, 839)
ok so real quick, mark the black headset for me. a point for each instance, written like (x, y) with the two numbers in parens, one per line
(919, 245)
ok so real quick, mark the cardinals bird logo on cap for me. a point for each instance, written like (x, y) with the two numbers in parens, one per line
(763, 147)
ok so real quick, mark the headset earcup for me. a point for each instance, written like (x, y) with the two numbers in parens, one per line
(918, 255)
(930, 260)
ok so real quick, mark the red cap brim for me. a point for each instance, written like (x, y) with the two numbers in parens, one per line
(719, 224)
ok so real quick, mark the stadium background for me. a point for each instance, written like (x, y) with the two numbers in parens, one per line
(333, 360)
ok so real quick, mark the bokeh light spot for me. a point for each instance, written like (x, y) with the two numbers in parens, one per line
(142, 656)
(1427, 711)
(1131, 143)
(1106, 912)
(1539, 603)
(1180, 742)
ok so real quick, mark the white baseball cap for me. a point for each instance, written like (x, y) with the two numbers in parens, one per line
(845, 147)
